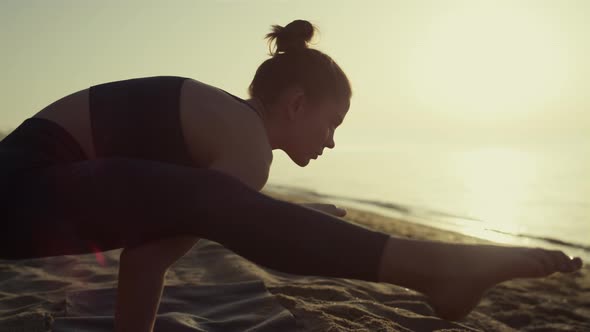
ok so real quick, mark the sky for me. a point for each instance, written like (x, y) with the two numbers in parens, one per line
(465, 72)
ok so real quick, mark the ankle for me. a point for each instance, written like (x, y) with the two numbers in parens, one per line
(403, 263)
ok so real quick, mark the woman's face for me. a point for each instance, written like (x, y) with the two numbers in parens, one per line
(313, 130)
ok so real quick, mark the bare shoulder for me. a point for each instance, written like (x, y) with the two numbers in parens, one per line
(224, 134)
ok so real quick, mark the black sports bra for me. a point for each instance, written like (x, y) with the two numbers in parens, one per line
(140, 118)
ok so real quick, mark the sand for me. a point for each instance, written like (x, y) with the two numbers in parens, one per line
(52, 293)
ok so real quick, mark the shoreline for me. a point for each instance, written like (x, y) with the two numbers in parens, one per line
(435, 219)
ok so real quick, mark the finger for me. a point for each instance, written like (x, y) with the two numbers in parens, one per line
(331, 209)
(336, 210)
(315, 206)
(311, 205)
(325, 208)
(341, 212)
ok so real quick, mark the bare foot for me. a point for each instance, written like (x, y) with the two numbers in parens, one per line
(455, 276)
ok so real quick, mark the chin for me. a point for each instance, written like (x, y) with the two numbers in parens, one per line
(302, 162)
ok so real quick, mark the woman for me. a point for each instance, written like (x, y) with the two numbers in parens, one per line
(152, 164)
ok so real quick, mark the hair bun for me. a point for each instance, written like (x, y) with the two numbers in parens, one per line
(292, 37)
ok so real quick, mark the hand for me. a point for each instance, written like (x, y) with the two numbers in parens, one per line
(326, 208)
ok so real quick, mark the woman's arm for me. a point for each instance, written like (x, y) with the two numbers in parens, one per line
(248, 170)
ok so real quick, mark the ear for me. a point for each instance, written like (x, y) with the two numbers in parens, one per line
(295, 100)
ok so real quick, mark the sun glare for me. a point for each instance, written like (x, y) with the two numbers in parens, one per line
(488, 59)
(498, 180)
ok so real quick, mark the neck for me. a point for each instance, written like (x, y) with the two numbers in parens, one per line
(268, 120)
(257, 105)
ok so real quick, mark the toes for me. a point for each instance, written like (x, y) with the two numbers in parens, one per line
(555, 260)
(577, 263)
(565, 263)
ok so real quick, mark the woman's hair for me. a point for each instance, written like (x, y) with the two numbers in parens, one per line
(294, 64)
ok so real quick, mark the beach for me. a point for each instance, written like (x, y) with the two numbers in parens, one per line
(212, 288)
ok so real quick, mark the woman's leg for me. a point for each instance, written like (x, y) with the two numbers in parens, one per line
(122, 203)
(134, 204)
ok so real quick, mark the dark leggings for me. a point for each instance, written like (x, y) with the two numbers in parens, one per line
(104, 204)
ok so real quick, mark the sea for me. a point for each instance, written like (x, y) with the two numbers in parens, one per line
(525, 195)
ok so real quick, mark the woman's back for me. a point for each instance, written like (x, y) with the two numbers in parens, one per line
(164, 118)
